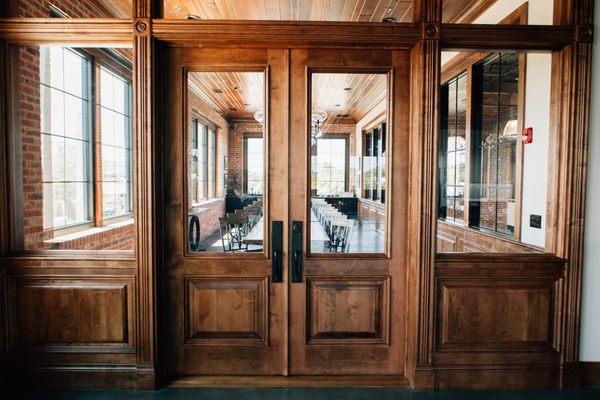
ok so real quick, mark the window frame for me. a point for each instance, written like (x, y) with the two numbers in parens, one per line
(202, 194)
(377, 195)
(345, 138)
(88, 126)
(115, 68)
(245, 161)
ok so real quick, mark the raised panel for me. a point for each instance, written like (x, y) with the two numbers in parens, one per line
(229, 311)
(495, 314)
(446, 243)
(69, 312)
(344, 310)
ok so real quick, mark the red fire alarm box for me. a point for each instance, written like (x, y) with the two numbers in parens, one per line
(527, 135)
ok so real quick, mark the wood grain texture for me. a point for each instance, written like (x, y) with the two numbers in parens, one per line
(69, 312)
(226, 311)
(313, 10)
(347, 310)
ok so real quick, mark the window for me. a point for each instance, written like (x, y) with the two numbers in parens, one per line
(203, 169)
(330, 166)
(212, 153)
(374, 163)
(65, 79)
(453, 148)
(494, 143)
(254, 165)
(86, 177)
(115, 139)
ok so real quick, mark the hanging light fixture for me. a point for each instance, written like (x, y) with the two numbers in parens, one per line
(317, 118)
(259, 117)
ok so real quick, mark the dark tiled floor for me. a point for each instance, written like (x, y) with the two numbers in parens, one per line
(307, 394)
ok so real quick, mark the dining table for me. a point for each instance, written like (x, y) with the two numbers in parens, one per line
(317, 232)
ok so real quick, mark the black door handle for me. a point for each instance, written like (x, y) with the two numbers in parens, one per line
(297, 252)
(276, 250)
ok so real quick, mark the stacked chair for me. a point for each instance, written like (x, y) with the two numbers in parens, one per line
(337, 225)
(234, 227)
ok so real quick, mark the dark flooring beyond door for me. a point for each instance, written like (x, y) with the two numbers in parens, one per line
(308, 394)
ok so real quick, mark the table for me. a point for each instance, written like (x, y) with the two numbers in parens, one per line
(317, 233)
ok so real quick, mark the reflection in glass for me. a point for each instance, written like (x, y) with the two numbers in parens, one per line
(225, 161)
(487, 199)
(348, 163)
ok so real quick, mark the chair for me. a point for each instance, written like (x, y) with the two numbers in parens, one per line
(234, 227)
(341, 232)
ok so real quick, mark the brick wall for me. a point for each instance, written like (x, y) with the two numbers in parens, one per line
(30, 112)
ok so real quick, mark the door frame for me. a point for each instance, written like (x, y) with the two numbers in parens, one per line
(383, 38)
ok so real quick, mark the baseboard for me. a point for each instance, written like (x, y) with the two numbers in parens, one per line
(288, 381)
(76, 377)
(590, 374)
(492, 377)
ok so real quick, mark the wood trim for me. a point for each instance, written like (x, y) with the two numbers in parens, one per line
(144, 145)
(425, 78)
(286, 34)
(96, 32)
(289, 381)
(509, 37)
(590, 374)
(11, 240)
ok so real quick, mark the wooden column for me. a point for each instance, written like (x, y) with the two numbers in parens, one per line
(425, 78)
(144, 167)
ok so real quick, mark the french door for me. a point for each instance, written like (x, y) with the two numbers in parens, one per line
(284, 206)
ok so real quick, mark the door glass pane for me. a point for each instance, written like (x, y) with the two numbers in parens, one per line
(348, 163)
(225, 162)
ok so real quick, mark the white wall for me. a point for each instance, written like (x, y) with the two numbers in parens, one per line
(535, 155)
(590, 313)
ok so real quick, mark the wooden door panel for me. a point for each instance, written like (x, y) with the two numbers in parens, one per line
(345, 311)
(226, 311)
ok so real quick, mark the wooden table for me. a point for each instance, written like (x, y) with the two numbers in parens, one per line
(317, 233)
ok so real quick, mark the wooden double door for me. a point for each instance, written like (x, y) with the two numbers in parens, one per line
(301, 304)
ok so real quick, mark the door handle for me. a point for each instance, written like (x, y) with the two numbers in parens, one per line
(276, 250)
(297, 252)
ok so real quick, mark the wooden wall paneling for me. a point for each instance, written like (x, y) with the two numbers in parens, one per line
(513, 307)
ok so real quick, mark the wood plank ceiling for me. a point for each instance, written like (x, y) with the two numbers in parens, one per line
(291, 10)
(232, 94)
(460, 11)
(241, 94)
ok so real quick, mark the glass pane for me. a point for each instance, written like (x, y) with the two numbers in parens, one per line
(490, 201)
(517, 12)
(302, 10)
(71, 9)
(225, 167)
(74, 150)
(348, 214)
